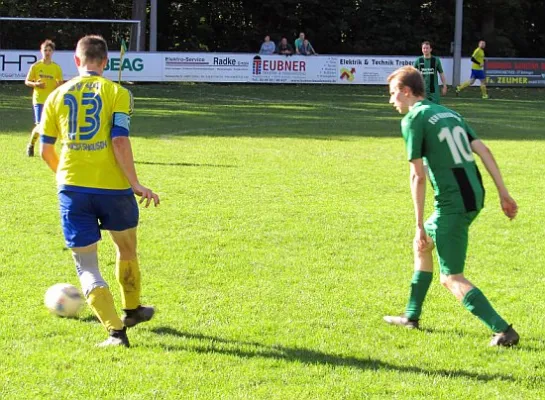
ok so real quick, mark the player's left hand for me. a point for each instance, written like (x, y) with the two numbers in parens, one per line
(444, 90)
(146, 195)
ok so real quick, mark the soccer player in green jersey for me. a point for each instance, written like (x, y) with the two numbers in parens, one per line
(440, 138)
(477, 71)
(430, 66)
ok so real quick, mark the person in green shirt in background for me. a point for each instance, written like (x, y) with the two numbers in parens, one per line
(430, 66)
(477, 70)
(441, 139)
(299, 42)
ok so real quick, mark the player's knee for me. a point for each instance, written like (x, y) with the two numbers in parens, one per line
(451, 281)
(126, 253)
(125, 243)
(126, 247)
(424, 251)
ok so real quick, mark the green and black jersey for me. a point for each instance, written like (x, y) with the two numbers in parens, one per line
(442, 139)
(430, 68)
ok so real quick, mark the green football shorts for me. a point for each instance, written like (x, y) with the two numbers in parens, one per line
(450, 235)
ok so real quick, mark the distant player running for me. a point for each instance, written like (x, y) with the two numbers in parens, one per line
(44, 76)
(439, 137)
(477, 71)
(97, 181)
(430, 66)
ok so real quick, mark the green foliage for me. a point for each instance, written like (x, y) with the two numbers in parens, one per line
(511, 27)
(29, 35)
(283, 236)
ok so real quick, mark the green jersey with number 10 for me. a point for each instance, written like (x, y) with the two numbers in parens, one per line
(443, 139)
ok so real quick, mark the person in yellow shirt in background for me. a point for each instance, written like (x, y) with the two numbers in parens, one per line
(44, 76)
(477, 70)
(97, 181)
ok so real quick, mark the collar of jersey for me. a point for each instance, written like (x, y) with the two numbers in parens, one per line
(89, 73)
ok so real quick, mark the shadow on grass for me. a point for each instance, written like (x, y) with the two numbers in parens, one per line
(453, 332)
(175, 164)
(302, 112)
(309, 356)
(89, 319)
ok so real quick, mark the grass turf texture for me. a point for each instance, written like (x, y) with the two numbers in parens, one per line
(283, 237)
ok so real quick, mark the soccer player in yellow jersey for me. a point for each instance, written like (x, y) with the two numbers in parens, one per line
(44, 76)
(97, 181)
(477, 70)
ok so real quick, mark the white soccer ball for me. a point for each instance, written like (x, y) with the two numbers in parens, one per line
(64, 299)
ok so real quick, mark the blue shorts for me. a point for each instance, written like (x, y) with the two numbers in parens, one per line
(83, 215)
(38, 108)
(478, 74)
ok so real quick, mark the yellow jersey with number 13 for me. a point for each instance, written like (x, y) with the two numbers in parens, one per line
(86, 113)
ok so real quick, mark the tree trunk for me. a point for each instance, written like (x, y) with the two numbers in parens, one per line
(489, 27)
(139, 12)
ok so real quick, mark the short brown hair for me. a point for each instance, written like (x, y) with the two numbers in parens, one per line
(92, 48)
(409, 76)
(426, 42)
(47, 43)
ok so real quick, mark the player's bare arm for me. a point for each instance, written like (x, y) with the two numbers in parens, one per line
(508, 204)
(123, 154)
(35, 84)
(49, 155)
(444, 82)
(418, 191)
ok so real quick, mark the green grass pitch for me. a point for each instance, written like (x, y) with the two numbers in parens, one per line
(283, 237)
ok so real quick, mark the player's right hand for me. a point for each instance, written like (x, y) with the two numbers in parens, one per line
(146, 195)
(421, 240)
(508, 205)
(40, 84)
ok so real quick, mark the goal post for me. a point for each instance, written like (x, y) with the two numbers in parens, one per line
(136, 23)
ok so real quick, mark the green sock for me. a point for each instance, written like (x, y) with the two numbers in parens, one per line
(419, 288)
(476, 303)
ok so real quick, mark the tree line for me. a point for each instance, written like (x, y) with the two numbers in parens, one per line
(512, 28)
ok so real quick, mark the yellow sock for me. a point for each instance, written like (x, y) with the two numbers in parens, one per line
(464, 85)
(483, 90)
(102, 303)
(128, 276)
(34, 136)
